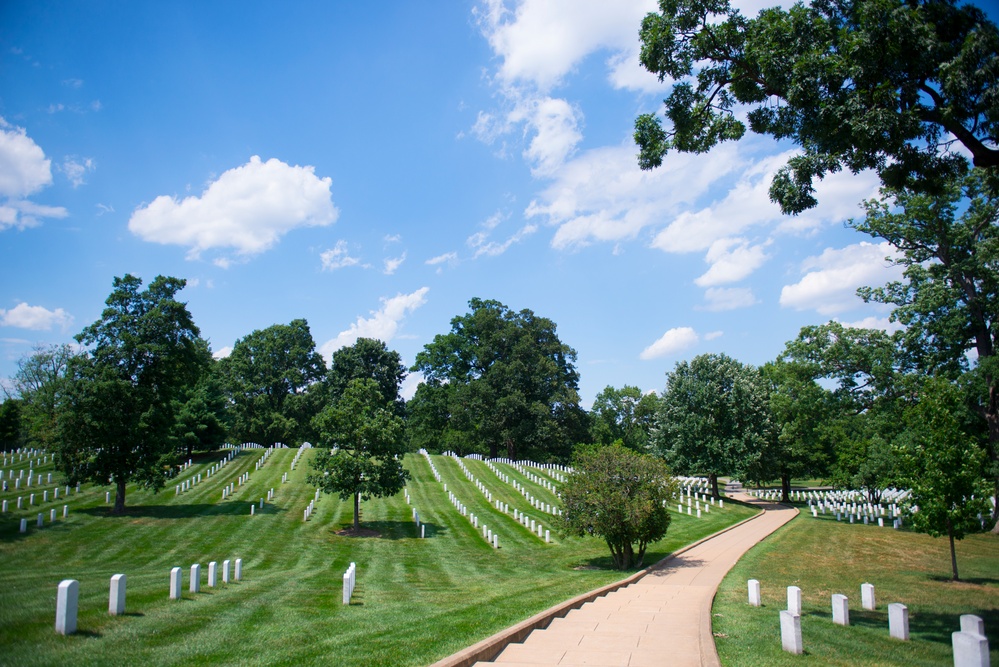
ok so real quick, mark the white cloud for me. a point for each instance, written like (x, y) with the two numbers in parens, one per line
(393, 263)
(540, 41)
(672, 341)
(410, 384)
(728, 298)
(731, 260)
(76, 168)
(872, 322)
(248, 209)
(382, 325)
(37, 318)
(556, 134)
(602, 195)
(480, 243)
(713, 335)
(446, 258)
(337, 257)
(24, 170)
(222, 352)
(831, 279)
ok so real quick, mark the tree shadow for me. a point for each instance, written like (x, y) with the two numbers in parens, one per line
(977, 581)
(385, 530)
(930, 626)
(187, 511)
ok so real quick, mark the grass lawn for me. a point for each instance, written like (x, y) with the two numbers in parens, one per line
(823, 557)
(416, 601)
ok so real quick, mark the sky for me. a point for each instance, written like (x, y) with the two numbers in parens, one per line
(373, 166)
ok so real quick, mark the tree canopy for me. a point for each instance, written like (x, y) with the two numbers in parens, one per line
(887, 85)
(38, 383)
(619, 495)
(117, 412)
(712, 417)
(366, 440)
(499, 381)
(624, 415)
(268, 378)
(367, 358)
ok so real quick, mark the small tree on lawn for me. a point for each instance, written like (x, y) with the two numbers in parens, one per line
(944, 467)
(621, 496)
(367, 442)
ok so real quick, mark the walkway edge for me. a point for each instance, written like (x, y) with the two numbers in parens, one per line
(490, 647)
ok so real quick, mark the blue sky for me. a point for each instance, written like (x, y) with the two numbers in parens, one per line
(373, 166)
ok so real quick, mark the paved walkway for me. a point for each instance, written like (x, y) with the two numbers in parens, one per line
(664, 618)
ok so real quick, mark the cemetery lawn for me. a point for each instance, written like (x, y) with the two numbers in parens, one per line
(416, 600)
(823, 557)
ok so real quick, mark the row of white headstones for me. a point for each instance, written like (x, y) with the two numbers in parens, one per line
(67, 598)
(971, 647)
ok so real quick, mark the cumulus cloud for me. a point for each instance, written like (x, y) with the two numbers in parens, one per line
(873, 322)
(337, 257)
(671, 342)
(602, 196)
(24, 171)
(731, 260)
(831, 279)
(222, 352)
(382, 325)
(440, 261)
(556, 134)
(247, 209)
(36, 318)
(718, 299)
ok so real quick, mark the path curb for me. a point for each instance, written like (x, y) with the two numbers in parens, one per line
(490, 647)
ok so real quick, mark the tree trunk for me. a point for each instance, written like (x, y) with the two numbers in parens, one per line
(119, 497)
(992, 422)
(357, 511)
(785, 487)
(713, 482)
(953, 553)
(511, 450)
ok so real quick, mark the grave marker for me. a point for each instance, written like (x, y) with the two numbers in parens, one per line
(794, 600)
(790, 632)
(754, 593)
(175, 577)
(225, 571)
(867, 596)
(212, 574)
(195, 585)
(840, 609)
(898, 621)
(238, 574)
(66, 606)
(116, 598)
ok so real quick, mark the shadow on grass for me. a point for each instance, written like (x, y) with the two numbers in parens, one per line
(977, 581)
(928, 626)
(228, 508)
(387, 530)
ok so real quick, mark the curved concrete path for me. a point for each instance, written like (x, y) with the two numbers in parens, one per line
(662, 618)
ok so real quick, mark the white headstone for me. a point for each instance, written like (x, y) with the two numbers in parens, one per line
(175, 577)
(790, 632)
(794, 600)
(238, 573)
(754, 593)
(195, 585)
(225, 571)
(66, 606)
(116, 599)
(970, 649)
(24, 525)
(973, 624)
(212, 574)
(898, 621)
(840, 609)
(867, 596)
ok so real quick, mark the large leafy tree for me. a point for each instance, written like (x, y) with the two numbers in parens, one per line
(942, 465)
(499, 382)
(117, 409)
(367, 358)
(38, 382)
(367, 443)
(624, 415)
(855, 84)
(713, 417)
(201, 415)
(269, 378)
(949, 301)
(10, 424)
(621, 496)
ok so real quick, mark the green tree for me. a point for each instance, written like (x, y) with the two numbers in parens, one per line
(621, 496)
(855, 84)
(367, 358)
(270, 378)
(623, 414)
(500, 381)
(38, 382)
(367, 443)
(10, 424)
(949, 301)
(797, 443)
(117, 411)
(712, 418)
(943, 466)
(201, 415)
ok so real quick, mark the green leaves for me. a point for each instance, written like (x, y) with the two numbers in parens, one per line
(870, 84)
(621, 496)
